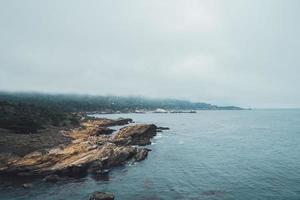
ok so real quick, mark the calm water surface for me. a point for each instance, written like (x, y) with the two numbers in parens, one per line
(209, 155)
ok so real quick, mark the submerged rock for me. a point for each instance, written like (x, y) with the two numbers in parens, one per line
(102, 196)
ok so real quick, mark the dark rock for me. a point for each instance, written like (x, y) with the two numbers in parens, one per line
(102, 196)
(141, 154)
(27, 185)
(123, 121)
(101, 177)
(52, 178)
(95, 167)
(119, 155)
(163, 128)
(119, 122)
(74, 170)
(21, 173)
(103, 171)
(104, 131)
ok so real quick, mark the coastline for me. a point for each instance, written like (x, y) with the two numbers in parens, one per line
(93, 149)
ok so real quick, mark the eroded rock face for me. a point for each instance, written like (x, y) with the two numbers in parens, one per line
(72, 160)
(137, 134)
(102, 196)
(141, 154)
(87, 153)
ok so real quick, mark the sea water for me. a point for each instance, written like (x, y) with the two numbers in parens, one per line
(246, 155)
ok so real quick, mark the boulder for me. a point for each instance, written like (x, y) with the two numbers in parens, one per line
(102, 196)
(141, 154)
(113, 155)
(137, 134)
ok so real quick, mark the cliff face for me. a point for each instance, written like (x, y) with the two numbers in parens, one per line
(91, 150)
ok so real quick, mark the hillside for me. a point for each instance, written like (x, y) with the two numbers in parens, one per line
(76, 103)
(30, 112)
(29, 118)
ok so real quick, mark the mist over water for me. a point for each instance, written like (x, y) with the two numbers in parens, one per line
(242, 155)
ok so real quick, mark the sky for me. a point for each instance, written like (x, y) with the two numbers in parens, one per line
(233, 52)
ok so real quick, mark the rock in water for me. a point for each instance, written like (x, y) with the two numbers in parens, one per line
(163, 128)
(137, 134)
(88, 152)
(27, 185)
(118, 122)
(102, 196)
(141, 154)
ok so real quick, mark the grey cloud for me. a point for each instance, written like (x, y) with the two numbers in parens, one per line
(225, 52)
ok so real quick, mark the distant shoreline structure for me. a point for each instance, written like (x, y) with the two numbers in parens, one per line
(108, 104)
(157, 111)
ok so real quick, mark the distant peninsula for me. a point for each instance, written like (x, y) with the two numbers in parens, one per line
(82, 103)
(30, 112)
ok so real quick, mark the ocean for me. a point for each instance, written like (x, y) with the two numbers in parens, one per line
(244, 155)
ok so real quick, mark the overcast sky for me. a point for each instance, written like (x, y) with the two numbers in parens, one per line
(244, 53)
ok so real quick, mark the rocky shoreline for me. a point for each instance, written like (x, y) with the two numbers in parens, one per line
(93, 149)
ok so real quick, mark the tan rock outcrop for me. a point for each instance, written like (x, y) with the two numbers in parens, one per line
(88, 151)
(137, 134)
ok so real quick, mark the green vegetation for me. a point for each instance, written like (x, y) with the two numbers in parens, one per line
(77, 103)
(29, 112)
(29, 118)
